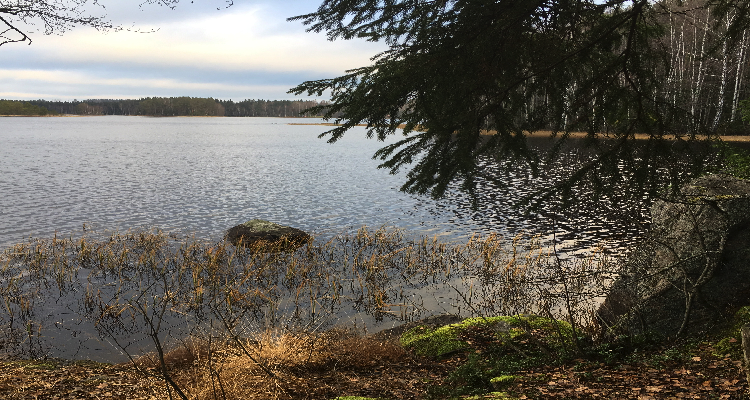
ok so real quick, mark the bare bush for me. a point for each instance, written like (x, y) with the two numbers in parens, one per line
(146, 293)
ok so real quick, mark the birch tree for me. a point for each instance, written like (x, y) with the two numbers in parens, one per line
(457, 70)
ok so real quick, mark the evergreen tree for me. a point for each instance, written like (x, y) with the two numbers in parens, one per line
(15, 107)
(469, 79)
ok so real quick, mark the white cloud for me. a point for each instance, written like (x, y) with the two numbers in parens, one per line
(246, 39)
(77, 78)
(228, 52)
(14, 81)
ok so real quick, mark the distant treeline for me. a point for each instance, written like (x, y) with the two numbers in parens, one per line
(179, 106)
(12, 107)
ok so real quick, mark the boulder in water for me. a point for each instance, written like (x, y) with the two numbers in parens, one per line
(257, 232)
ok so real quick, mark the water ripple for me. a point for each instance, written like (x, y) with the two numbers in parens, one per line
(203, 175)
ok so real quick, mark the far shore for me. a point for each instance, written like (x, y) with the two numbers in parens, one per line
(153, 116)
(537, 134)
(48, 115)
(548, 134)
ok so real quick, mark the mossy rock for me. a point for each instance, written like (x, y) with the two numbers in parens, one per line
(437, 342)
(266, 236)
(433, 321)
(741, 318)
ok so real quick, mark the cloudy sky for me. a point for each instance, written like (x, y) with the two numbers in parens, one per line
(246, 51)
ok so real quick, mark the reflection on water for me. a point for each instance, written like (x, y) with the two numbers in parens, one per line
(200, 176)
(195, 175)
(103, 299)
(203, 175)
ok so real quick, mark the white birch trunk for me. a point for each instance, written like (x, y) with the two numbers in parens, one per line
(701, 72)
(722, 88)
(741, 54)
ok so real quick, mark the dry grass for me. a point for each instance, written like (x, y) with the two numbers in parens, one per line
(306, 366)
(146, 283)
(701, 373)
(125, 283)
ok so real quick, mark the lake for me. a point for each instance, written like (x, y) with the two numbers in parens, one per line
(201, 176)
(197, 177)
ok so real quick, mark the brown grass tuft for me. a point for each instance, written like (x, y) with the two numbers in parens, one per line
(189, 352)
(306, 365)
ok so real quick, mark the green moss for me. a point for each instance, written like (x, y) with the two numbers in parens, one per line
(437, 342)
(91, 364)
(728, 345)
(30, 364)
(260, 225)
(429, 342)
(492, 395)
(735, 160)
(502, 381)
(357, 398)
(741, 317)
(520, 342)
(730, 341)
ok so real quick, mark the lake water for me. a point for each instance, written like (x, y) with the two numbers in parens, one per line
(203, 175)
(195, 176)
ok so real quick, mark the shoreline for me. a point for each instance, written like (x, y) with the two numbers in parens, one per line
(548, 134)
(47, 115)
(152, 116)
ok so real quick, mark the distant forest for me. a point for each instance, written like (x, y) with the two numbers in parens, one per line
(161, 106)
(9, 107)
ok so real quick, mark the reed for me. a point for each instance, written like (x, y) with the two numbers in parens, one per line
(145, 292)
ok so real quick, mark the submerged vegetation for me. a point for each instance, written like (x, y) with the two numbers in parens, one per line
(123, 281)
(201, 320)
(144, 292)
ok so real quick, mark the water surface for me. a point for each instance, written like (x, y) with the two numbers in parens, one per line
(200, 176)
(196, 176)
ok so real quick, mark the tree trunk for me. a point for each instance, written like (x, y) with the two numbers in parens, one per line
(722, 87)
(738, 75)
(746, 349)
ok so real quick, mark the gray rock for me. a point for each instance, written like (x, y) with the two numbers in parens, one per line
(258, 231)
(693, 268)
